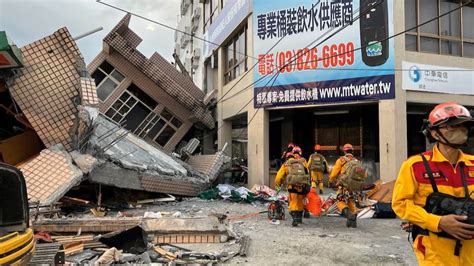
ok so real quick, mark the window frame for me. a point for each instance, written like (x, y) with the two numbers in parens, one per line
(461, 40)
(231, 71)
(108, 76)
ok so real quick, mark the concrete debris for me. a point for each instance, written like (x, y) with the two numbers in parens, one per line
(110, 256)
(50, 175)
(133, 240)
(85, 162)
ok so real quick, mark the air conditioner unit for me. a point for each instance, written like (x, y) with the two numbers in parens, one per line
(197, 13)
(184, 6)
(196, 54)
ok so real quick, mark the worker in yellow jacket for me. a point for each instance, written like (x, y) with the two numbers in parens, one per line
(318, 166)
(439, 239)
(295, 171)
(345, 201)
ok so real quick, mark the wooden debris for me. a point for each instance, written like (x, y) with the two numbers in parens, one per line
(168, 255)
(71, 200)
(384, 194)
(151, 201)
(73, 248)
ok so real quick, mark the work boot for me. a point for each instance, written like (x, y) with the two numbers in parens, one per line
(320, 192)
(299, 217)
(306, 214)
(351, 218)
(293, 215)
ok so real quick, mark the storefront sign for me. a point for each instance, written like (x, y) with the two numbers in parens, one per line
(430, 78)
(233, 13)
(10, 55)
(352, 65)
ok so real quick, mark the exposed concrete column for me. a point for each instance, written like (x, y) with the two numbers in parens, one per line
(224, 132)
(393, 137)
(393, 114)
(258, 147)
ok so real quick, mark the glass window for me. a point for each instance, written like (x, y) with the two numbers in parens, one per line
(236, 55)
(443, 35)
(106, 79)
(166, 114)
(430, 45)
(450, 47)
(428, 10)
(175, 121)
(451, 23)
(142, 96)
(468, 49)
(410, 14)
(165, 136)
(468, 22)
(105, 89)
(410, 42)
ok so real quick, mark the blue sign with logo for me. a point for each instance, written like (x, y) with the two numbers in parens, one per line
(330, 51)
(233, 13)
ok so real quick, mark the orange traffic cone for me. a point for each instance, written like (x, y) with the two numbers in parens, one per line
(313, 204)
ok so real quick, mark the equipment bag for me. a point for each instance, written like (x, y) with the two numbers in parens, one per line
(317, 163)
(384, 210)
(354, 175)
(297, 173)
(444, 204)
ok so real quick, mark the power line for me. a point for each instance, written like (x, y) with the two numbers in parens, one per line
(168, 27)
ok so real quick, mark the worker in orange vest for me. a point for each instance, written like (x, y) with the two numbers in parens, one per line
(345, 201)
(295, 171)
(318, 166)
(441, 236)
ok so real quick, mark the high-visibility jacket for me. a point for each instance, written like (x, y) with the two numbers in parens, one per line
(409, 197)
(283, 172)
(337, 168)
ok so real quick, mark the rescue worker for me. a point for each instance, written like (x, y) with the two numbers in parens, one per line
(297, 152)
(318, 166)
(345, 199)
(452, 172)
(288, 149)
(297, 178)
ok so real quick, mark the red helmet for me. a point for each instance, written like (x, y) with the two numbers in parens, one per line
(449, 113)
(297, 149)
(291, 145)
(317, 147)
(289, 154)
(347, 147)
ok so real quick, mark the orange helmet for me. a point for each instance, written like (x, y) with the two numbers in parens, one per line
(317, 147)
(448, 113)
(291, 145)
(347, 147)
(297, 150)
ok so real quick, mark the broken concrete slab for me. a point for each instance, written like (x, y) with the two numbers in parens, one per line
(97, 225)
(133, 240)
(50, 175)
(85, 162)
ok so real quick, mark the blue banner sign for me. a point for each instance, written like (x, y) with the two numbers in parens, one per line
(356, 63)
(233, 13)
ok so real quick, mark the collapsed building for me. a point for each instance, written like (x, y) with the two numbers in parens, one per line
(59, 128)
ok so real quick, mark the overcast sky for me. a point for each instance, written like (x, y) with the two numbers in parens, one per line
(26, 21)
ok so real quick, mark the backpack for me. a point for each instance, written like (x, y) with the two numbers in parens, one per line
(297, 174)
(317, 163)
(354, 174)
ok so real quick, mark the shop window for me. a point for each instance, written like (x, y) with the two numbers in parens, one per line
(452, 34)
(236, 56)
(107, 79)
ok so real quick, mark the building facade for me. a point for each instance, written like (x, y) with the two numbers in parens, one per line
(388, 79)
(147, 96)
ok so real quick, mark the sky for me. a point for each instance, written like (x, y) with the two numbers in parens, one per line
(26, 21)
